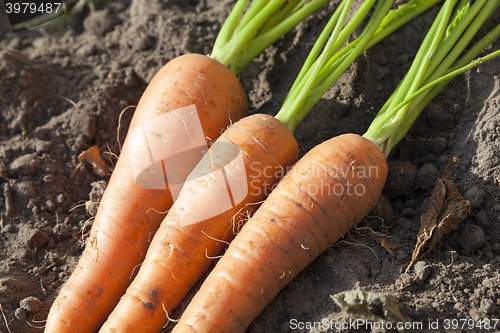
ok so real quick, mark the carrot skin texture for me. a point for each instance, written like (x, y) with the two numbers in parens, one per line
(177, 257)
(128, 215)
(296, 223)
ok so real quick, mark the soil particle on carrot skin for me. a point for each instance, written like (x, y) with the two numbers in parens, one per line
(43, 73)
(149, 305)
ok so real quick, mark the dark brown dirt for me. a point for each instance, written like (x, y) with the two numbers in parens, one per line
(62, 89)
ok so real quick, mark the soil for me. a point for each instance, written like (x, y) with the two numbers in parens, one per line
(63, 87)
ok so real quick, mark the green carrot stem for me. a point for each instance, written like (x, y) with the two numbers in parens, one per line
(294, 109)
(439, 65)
(230, 24)
(389, 118)
(245, 35)
(298, 106)
(415, 77)
(256, 7)
(227, 52)
(445, 79)
(306, 79)
(257, 45)
(291, 7)
(313, 54)
(392, 21)
(332, 55)
(317, 93)
(289, 114)
(445, 64)
(407, 102)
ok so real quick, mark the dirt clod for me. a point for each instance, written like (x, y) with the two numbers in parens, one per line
(100, 22)
(472, 238)
(475, 195)
(422, 270)
(487, 306)
(426, 176)
(24, 165)
(31, 304)
(37, 238)
(95, 195)
(400, 180)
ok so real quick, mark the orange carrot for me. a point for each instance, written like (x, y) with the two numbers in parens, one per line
(129, 214)
(324, 195)
(189, 88)
(204, 218)
(184, 245)
(331, 188)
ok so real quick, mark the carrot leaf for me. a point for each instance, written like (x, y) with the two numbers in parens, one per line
(437, 64)
(246, 34)
(320, 71)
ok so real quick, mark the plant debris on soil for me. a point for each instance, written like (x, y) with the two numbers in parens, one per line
(447, 208)
(63, 87)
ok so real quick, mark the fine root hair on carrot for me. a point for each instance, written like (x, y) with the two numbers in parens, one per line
(5, 318)
(82, 229)
(120, 124)
(158, 211)
(452, 254)
(215, 239)
(81, 204)
(37, 321)
(185, 126)
(379, 218)
(247, 213)
(172, 247)
(42, 288)
(89, 202)
(133, 270)
(421, 270)
(168, 317)
(212, 258)
(110, 153)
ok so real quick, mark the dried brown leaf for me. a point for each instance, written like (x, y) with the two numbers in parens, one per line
(447, 209)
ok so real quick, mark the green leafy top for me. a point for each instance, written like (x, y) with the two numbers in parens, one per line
(320, 71)
(434, 66)
(246, 34)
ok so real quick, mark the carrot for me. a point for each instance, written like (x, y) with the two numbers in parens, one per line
(301, 218)
(329, 190)
(178, 256)
(189, 93)
(125, 219)
(205, 218)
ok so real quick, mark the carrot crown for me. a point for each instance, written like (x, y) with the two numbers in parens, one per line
(434, 66)
(246, 34)
(320, 71)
